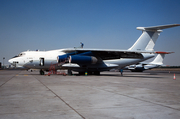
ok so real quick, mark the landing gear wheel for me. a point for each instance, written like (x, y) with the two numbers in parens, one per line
(81, 73)
(69, 72)
(97, 73)
(41, 72)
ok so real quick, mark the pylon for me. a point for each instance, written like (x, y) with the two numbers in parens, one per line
(174, 77)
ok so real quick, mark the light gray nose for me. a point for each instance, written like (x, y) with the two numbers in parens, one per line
(13, 62)
(10, 61)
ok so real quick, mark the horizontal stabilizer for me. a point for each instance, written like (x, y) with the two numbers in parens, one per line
(155, 28)
(160, 52)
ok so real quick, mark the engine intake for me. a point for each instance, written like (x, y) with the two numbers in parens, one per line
(62, 58)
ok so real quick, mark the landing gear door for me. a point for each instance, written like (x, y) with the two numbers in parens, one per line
(41, 62)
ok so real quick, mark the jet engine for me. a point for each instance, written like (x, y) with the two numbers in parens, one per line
(62, 58)
(65, 57)
(79, 59)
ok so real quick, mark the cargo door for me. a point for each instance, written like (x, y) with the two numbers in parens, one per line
(41, 62)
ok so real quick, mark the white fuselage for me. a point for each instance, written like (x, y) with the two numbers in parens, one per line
(44, 59)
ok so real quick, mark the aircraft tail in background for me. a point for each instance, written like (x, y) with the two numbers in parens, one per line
(158, 61)
(159, 58)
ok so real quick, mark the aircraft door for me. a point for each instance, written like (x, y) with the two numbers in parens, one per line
(41, 62)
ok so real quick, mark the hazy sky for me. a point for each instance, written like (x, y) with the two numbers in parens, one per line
(107, 24)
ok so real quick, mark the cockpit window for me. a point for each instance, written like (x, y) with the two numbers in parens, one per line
(21, 54)
(14, 56)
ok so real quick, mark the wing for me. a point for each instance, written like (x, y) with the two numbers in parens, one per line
(106, 54)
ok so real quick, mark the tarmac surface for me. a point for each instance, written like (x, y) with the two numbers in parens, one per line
(147, 95)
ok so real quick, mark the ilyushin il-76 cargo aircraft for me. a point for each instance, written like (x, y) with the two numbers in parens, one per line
(92, 61)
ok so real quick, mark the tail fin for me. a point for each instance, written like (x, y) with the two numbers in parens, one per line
(148, 38)
(159, 58)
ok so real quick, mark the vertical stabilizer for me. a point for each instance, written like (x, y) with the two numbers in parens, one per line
(147, 40)
(159, 58)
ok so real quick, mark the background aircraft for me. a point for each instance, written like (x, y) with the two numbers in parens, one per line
(92, 61)
(140, 67)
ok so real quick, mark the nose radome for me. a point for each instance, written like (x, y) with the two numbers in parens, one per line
(10, 61)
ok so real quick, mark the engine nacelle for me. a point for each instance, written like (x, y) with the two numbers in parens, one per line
(79, 59)
(65, 57)
(62, 58)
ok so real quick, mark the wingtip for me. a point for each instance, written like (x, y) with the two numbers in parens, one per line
(177, 24)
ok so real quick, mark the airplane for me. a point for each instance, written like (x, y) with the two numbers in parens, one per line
(92, 61)
(157, 62)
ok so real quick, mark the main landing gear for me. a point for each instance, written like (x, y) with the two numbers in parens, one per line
(41, 72)
(90, 73)
(69, 72)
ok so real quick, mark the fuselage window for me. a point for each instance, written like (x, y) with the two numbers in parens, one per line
(21, 54)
